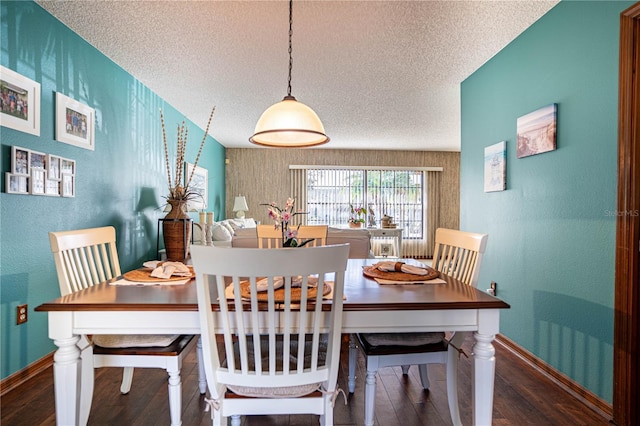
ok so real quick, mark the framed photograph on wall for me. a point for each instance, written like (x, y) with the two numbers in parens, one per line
(68, 186)
(495, 167)
(16, 184)
(37, 160)
(19, 161)
(199, 184)
(75, 122)
(53, 167)
(19, 102)
(52, 188)
(537, 131)
(37, 182)
(67, 167)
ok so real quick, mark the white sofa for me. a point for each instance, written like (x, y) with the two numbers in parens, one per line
(242, 233)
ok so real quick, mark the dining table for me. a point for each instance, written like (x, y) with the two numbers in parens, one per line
(449, 305)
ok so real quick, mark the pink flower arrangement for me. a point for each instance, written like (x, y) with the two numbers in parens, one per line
(357, 214)
(282, 218)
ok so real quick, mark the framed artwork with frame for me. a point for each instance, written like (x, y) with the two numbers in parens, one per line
(536, 131)
(68, 185)
(37, 160)
(19, 161)
(16, 184)
(52, 187)
(19, 102)
(75, 122)
(495, 167)
(53, 167)
(67, 166)
(199, 184)
(37, 182)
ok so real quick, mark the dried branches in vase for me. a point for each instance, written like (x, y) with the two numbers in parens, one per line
(176, 225)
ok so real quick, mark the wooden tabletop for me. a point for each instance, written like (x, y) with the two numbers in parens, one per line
(362, 294)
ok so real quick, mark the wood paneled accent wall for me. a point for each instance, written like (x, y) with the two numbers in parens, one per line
(262, 175)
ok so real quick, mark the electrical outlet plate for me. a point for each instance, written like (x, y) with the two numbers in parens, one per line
(21, 314)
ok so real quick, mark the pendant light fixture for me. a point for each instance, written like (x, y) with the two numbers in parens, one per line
(289, 123)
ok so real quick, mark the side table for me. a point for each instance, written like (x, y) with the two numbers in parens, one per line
(394, 233)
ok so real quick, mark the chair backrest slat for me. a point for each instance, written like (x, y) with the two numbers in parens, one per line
(317, 233)
(84, 257)
(272, 326)
(268, 236)
(459, 254)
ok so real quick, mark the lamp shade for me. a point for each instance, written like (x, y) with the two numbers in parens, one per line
(240, 204)
(289, 124)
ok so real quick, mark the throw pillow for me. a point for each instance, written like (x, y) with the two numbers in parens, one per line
(228, 227)
(221, 233)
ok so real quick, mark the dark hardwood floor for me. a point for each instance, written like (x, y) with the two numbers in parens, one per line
(522, 397)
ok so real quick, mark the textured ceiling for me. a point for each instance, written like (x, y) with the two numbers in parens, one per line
(380, 74)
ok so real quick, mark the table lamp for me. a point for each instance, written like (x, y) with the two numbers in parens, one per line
(240, 206)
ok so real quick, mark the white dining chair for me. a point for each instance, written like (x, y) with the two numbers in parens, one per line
(459, 255)
(263, 324)
(87, 257)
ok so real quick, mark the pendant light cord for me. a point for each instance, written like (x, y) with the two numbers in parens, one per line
(290, 50)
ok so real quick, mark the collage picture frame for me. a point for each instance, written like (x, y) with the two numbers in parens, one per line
(38, 173)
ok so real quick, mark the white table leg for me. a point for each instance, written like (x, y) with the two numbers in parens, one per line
(202, 378)
(67, 366)
(353, 359)
(369, 397)
(484, 364)
(66, 377)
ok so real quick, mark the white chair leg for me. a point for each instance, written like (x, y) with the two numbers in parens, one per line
(369, 397)
(202, 379)
(452, 385)
(405, 369)
(86, 383)
(175, 398)
(235, 420)
(127, 378)
(353, 360)
(218, 420)
(424, 376)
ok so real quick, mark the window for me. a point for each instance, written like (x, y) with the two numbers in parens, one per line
(398, 193)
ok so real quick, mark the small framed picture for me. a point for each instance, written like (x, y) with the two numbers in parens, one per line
(19, 102)
(37, 182)
(68, 186)
(198, 178)
(75, 122)
(19, 161)
(37, 160)
(537, 131)
(495, 167)
(52, 187)
(53, 167)
(67, 166)
(16, 184)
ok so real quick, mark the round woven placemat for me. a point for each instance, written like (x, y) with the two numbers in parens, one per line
(373, 272)
(296, 293)
(144, 275)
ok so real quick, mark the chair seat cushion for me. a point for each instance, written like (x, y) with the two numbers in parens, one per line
(282, 391)
(386, 343)
(133, 340)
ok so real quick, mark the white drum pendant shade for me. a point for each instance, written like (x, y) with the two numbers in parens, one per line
(289, 124)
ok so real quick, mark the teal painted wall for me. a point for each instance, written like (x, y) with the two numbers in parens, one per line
(552, 232)
(113, 183)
